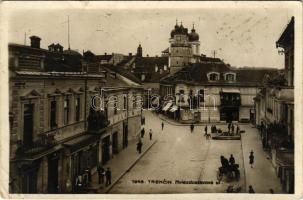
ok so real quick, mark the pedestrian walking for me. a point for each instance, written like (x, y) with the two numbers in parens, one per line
(205, 131)
(251, 158)
(142, 132)
(271, 191)
(238, 129)
(162, 125)
(139, 146)
(150, 134)
(101, 174)
(251, 189)
(192, 127)
(232, 160)
(108, 176)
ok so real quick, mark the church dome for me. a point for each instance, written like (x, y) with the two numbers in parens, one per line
(193, 36)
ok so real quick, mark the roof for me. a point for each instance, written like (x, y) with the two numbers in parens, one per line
(59, 74)
(54, 61)
(122, 72)
(287, 36)
(146, 66)
(197, 74)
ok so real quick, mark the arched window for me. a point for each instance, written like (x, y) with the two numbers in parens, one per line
(214, 76)
(230, 76)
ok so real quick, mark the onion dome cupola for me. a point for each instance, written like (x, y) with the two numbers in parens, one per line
(172, 33)
(193, 36)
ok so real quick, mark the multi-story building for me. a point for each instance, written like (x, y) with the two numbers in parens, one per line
(55, 135)
(212, 91)
(275, 112)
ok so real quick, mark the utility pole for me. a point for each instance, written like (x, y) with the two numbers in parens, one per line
(68, 37)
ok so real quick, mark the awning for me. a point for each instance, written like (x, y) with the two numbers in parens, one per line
(167, 106)
(230, 90)
(174, 109)
(80, 142)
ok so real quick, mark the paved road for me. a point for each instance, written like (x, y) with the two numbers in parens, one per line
(180, 155)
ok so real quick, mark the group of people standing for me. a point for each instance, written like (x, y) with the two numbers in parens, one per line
(231, 129)
(104, 175)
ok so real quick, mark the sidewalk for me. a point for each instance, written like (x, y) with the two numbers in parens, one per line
(121, 163)
(262, 176)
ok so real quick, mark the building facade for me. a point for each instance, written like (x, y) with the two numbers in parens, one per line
(275, 112)
(212, 91)
(56, 135)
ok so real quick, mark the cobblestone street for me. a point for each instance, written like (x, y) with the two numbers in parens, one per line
(181, 155)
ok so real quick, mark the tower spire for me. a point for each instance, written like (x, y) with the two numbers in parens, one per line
(176, 21)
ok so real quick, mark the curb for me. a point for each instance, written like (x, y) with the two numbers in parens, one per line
(129, 168)
(245, 190)
(196, 124)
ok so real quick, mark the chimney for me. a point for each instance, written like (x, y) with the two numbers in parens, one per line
(35, 41)
(105, 53)
(130, 54)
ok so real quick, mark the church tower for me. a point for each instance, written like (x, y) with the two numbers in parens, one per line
(139, 51)
(180, 48)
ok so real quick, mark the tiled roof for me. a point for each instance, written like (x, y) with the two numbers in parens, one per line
(197, 74)
(122, 72)
(146, 65)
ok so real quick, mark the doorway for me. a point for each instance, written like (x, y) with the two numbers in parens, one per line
(105, 149)
(28, 126)
(53, 174)
(115, 143)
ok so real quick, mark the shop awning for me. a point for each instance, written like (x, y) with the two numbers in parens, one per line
(230, 90)
(167, 106)
(80, 142)
(174, 109)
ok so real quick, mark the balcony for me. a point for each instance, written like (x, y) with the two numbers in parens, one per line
(97, 122)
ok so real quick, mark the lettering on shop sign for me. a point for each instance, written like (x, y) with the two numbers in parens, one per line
(167, 181)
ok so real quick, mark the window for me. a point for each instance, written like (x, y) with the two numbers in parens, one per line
(125, 102)
(53, 115)
(115, 106)
(181, 96)
(214, 77)
(201, 95)
(77, 105)
(66, 111)
(230, 77)
(28, 124)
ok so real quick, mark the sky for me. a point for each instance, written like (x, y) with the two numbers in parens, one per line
(240, 36)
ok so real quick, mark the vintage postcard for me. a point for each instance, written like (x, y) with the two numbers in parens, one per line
(151, 100)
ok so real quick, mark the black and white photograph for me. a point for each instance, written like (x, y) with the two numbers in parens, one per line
(146, 98)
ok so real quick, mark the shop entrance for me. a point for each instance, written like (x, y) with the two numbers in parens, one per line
(229, 114)
(53, 175)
